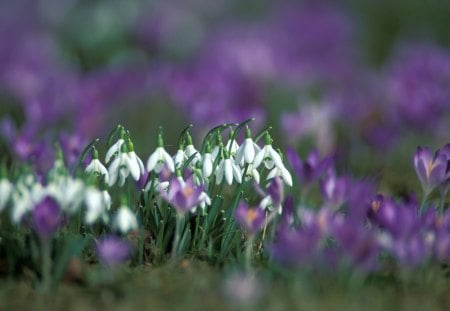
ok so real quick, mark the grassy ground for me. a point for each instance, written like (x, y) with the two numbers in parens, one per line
(196, 286)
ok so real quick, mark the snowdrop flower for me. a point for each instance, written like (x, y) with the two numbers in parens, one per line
(281, 172)
(217, 150)
(251, 172)
(114, 149)
(179, 157)
(67, 191)
(228, 169)
(247, 151)
(135, 163)
(190, 151)
(125, 220)
(232, 146)
(268, 204)
(97, 203)
(207, 166)
(160, 157)
(25, 197)
(96, 167)
(205, 200)
(121, 167)
(267, 154)
(5, 192)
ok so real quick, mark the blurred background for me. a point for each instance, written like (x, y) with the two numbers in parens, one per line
(367, 81)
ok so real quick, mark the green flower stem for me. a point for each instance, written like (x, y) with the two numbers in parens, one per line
(423, 203)
(176, 239)
(248, 253)
(46, 264)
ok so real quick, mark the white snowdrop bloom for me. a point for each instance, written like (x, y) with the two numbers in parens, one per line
(125, 220)
(268, 155)
(114, 149)
(96, 167)
(160, 157)
(216, 152)
(5, 192)
(190, 151)
(119, 169)
(228, 169)
(207, 165)
(232, 147)
(24, 198)
(247, 151)
(96, 206)
(251, 173)
(205, 200)
(267, 204)
(135, 164)
(281, 172)
(68, 192)
(179, 157)
(117, 147)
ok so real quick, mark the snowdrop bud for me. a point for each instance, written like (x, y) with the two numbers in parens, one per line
(125, 220)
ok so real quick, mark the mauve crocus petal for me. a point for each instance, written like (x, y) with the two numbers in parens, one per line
(47, 217)
(251, 220)
(113, 251)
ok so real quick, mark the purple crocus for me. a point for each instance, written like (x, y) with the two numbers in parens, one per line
(431, 170)
(251, 220)
(183, 195)
(334, 189)
(47, 218)
(112, 251)
(311, 169)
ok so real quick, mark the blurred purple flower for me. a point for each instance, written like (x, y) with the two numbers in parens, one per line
(431, 170)
(418, 80)
(251, 220)
(113, 251)
(183, 195)
(309, 171)
(47, 218)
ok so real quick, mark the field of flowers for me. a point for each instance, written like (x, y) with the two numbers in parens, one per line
(224, 155)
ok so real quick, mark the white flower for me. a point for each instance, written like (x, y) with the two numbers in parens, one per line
(228, 169)
(190, 151)
(114, 149)
(204, 201)
(179, 157)
(269, 156)
(96, 167)
(120, 168)
(267, 203)
(251, 173)
(97, 203)
(5, 192)
(157, 160)
(25, 197)
(67, 191)
(234, 147)
(208, 163)
(247, 151)
(281, 172)
(125, 220)
(135, 165)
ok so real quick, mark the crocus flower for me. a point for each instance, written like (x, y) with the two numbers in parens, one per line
(251, 220)
(47, 217)
(183, 195)
(431, 170)
(334, 189)
(160, 157)
(125, 220)
(113, 251)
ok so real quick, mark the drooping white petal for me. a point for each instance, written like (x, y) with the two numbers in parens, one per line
(236, 173)
(113, 171)
(207, 165)
(179, 158)
(125, 220)
(249, 151)
(167, 160)
(228, 170)
(153, 160)
(220, 172)
(113, 149)
(275, 156)
(133, 165)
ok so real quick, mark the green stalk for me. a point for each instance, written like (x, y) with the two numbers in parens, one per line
(248, 253)
(176, 239)
(46, 264)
